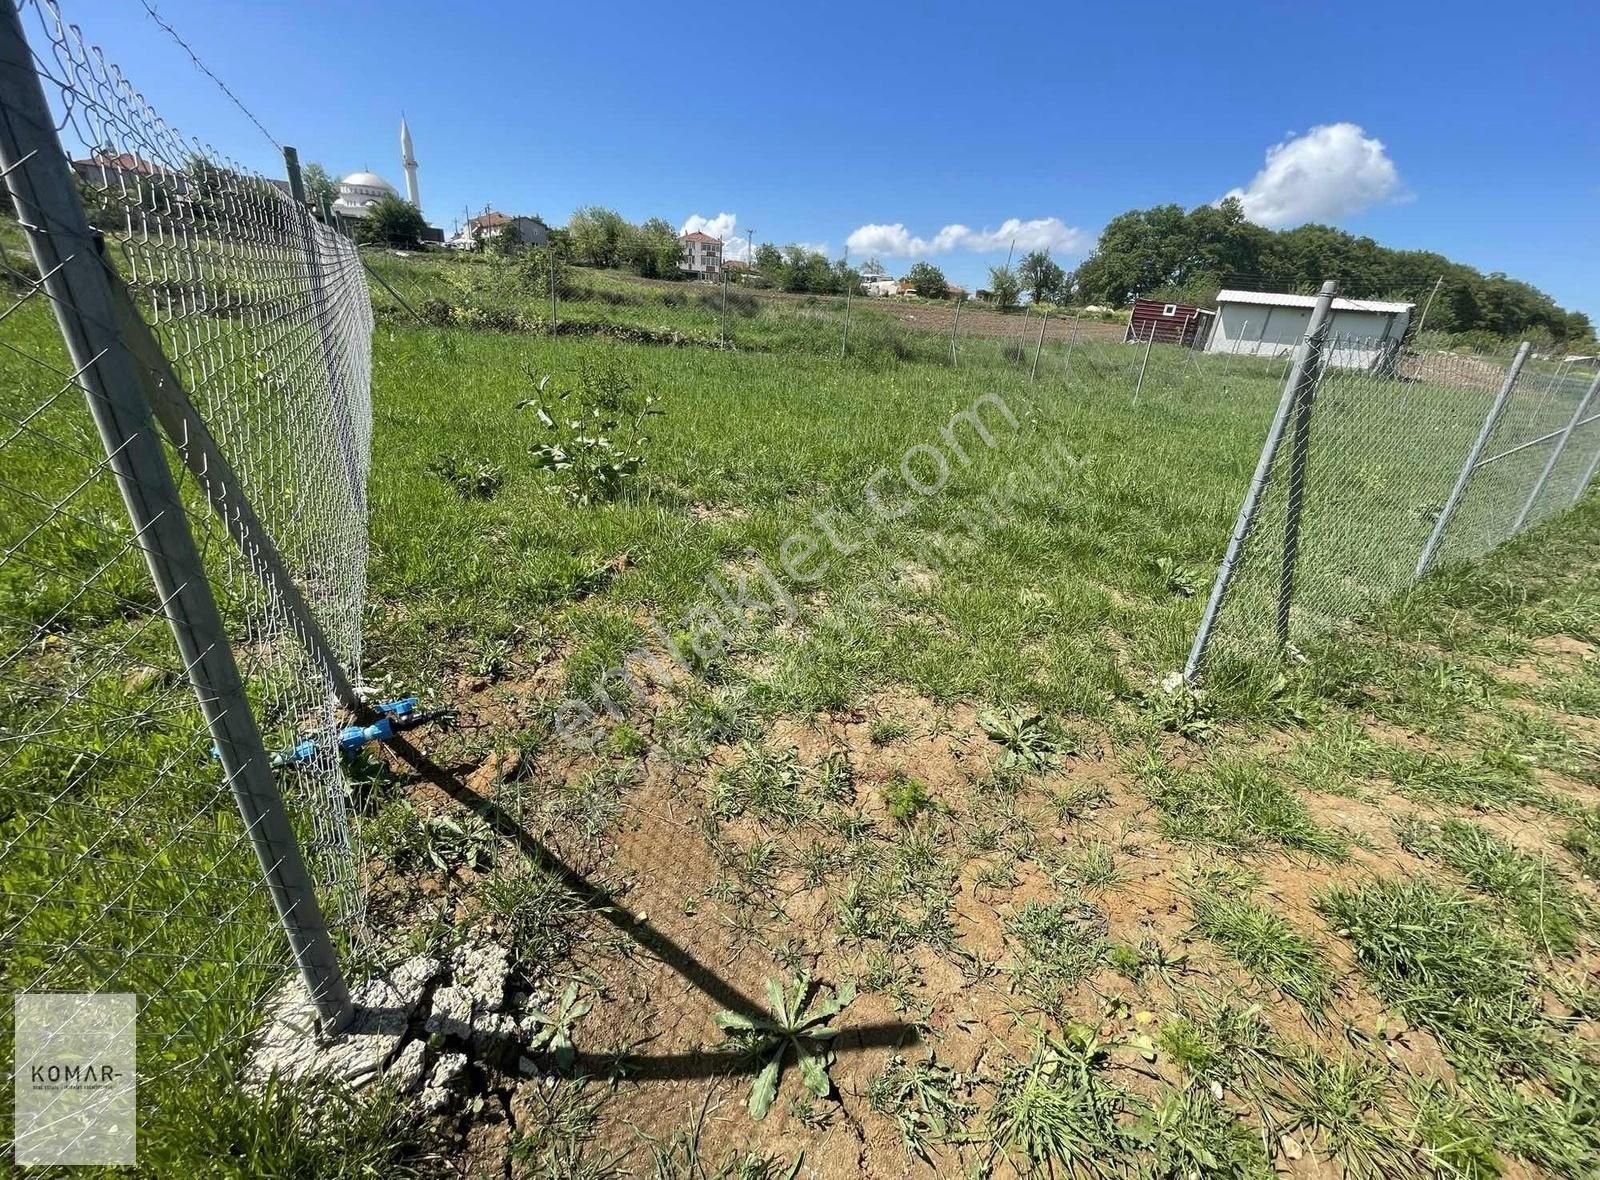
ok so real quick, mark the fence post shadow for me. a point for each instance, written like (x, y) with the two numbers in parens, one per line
(603, 903)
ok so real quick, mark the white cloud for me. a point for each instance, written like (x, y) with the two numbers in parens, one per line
(724, 226)
(1328, 173)
(1042, 233)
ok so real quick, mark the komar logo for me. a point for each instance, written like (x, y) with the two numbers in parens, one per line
(93, 1076)
(76, 1078)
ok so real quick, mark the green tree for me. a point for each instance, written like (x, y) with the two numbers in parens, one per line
(597, 235)
(872, 269)
(1040, 276)
(1004, 287)
(508, 241)
(1186, 257)
(321, 189)
(653, 249)
(769, 263)
(928, 281)
(799, 270)
(390, 222)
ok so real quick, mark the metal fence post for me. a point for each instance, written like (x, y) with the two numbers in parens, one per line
(955, 331)
(1038, 346)
(1066, 362)
(844, 340)
(1248, 510)
(724, 307)
(1310, 366)
(1555, 455)
(1144, 362)
(552, 269)
(65, 251)
(1490, 421)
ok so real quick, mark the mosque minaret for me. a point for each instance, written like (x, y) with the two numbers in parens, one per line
(408, 161)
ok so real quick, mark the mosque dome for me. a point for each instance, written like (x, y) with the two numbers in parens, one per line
(360, 190)
(369, 180)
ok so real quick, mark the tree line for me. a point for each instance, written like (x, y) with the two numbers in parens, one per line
(1187, 257)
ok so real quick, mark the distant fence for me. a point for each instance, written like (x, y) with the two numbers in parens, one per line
(1380, 465)
(185, 433)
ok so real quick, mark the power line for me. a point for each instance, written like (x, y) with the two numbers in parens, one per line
(206, 70)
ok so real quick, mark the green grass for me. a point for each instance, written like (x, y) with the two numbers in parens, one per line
(1439, 957)
(1055, 946)
(1539, 896)
(1056, 1111)
(1069, 595)
(929, 1102)
(1267, 944)
(1582, 841)
(1239, 804)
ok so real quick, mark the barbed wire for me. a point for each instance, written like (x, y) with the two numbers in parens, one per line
(207, 71)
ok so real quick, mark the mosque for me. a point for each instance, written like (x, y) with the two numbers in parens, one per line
(360, 189)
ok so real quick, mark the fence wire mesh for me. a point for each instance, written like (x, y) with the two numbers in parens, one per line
(124, 864)
(1387, 438)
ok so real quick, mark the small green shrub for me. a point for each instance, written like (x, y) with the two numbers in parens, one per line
(906, 798)
(1028, 742)
(472, 479)
(627, 741)
(595, 438)
(886, 730)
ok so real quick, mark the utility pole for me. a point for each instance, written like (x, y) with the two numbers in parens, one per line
(750, 258)
(1428, 306)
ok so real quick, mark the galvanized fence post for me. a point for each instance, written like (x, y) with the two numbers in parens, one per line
(1248, 510)
(1066, 361)
(1038, 347)
(844, 340)
(1555, 455)
(724, 307)
(551, 260)
(1147, 344)
(1469, 465)
(1311, 367)
(955, 331)
(66, 252)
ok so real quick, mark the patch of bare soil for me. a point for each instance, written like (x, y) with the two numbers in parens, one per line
(977, 320)
(806, 854)
(719, 899)
(1558, 654)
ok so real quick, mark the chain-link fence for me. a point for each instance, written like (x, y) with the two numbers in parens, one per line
(184, 443)
(1381, 464)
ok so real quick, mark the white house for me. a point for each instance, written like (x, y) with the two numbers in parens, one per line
(880, 286)
(1263, 323)
(702, 255)
(488, 226)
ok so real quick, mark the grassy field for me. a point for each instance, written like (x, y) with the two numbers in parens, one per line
(843, 689)
(1337, 910)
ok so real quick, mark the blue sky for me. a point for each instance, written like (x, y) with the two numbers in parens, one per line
(1468, 128)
